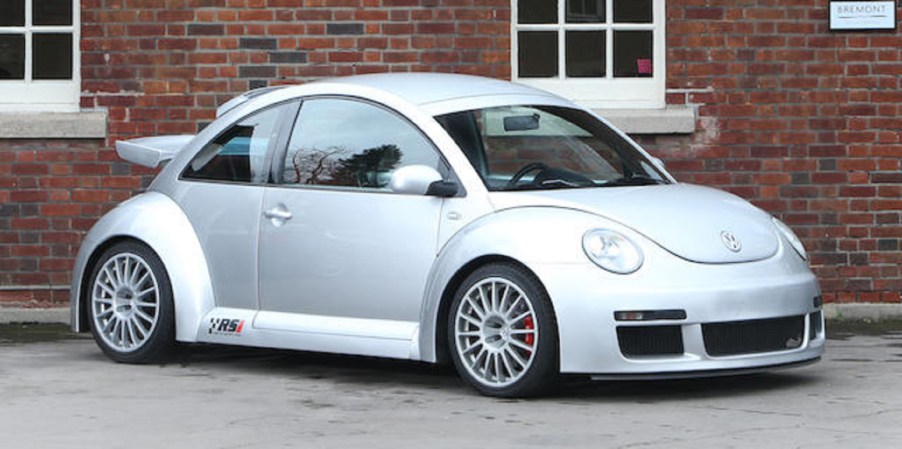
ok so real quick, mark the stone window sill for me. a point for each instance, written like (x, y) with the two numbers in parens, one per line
(670, 120)
(93, 124)
(88, 124)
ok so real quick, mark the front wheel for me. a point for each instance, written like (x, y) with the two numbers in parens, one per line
(131, 310)
(502, 332)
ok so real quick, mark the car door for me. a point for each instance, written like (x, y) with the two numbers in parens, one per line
(221, 192)
(335, 241)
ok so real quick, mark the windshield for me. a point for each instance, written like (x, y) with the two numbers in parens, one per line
(547, 147)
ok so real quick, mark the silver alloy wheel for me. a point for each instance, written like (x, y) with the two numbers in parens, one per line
(125, 302)
(496, 332)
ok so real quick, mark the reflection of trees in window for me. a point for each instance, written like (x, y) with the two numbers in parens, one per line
(312, 166)
(369, 168)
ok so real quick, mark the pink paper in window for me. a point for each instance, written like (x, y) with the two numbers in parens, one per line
(644, 66)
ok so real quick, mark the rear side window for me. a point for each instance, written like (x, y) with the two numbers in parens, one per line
(239, 153)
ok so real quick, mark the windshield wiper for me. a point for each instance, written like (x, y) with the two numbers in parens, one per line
(563, 183)
(634, 180)
(549, 184)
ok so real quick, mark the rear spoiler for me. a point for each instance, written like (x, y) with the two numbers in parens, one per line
(239, 100)
(151, 151)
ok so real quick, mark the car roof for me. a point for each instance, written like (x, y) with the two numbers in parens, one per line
(426, 88)
(432, 93)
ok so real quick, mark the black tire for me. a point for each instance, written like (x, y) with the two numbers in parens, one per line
(129, 304)
(504, 335)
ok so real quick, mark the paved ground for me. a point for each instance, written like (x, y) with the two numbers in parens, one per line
(64, 393)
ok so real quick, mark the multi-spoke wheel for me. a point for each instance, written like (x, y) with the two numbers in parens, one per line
(130, 306)
(502, 332)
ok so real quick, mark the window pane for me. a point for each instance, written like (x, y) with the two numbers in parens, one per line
(538, 54)
(632, 11)
(537, 11)
(585, 54)
(572, 148)
(352, 144)
(12, 56)
(12, 13)
(585, 11)
(52, 57)
(633, 54)
(238, 154)
(51, 12)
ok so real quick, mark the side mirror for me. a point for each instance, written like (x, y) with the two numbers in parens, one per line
(658, 163)
(420, 180)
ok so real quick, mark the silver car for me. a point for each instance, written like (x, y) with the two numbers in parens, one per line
(442, 218)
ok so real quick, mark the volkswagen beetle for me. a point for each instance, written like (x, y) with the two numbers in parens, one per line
(442, 218)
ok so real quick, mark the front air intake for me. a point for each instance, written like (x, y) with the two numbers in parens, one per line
(754, 336)
(650, 340)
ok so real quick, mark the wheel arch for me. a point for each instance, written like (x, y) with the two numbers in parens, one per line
(529, 237)
(154, 220)
(81, 306)
(439, 336)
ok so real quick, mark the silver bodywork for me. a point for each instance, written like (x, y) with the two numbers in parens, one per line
(370, 273)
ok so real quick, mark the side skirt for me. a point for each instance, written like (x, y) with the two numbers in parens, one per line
(358, 336)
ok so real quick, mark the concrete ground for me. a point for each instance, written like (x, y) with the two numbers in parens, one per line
(56, 391)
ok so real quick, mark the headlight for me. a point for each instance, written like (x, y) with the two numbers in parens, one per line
(791, 237)
(612, 251)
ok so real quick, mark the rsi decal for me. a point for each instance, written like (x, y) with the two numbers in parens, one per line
(225, 326)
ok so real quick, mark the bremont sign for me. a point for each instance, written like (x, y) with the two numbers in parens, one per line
(862, 15)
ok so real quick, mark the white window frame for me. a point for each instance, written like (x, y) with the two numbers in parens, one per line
(44, 95)
(607, 92)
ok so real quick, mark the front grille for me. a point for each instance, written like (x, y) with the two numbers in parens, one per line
(650, 340)
(749, 337)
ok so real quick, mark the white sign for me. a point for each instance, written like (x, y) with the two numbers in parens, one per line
(863, 15)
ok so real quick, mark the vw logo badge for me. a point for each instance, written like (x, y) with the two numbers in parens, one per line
(731, 241)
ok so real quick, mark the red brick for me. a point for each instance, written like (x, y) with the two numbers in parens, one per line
(54, 209)
(775, 97)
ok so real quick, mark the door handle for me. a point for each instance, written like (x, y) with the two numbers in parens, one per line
(278, 214)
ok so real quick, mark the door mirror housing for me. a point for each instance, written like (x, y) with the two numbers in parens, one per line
(443, 189)
(421, 180)
(658, 163)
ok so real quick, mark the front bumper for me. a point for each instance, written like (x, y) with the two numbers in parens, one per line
(702, 374)
(718, 334)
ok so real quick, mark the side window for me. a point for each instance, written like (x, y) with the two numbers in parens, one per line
(348, 143)
(239, 153)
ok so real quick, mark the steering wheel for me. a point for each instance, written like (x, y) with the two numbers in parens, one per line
(530, 167)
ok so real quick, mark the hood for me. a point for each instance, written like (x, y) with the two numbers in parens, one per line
(696, 223)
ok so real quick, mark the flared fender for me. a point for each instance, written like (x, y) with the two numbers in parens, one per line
(531, 236)
(156, 220)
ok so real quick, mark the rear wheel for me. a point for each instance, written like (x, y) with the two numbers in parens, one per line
(131, 310)
(502, 332)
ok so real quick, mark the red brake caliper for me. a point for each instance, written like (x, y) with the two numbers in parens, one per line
(529, 325)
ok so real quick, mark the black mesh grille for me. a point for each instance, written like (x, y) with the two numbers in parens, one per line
(748, 337)
(650, 340)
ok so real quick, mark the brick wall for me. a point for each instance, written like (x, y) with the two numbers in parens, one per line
(51, 192)
(802, 121)
(163, 66)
